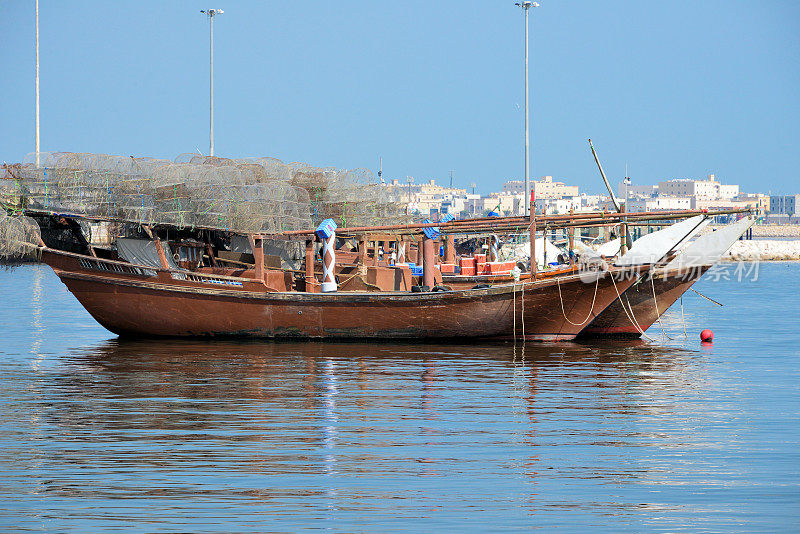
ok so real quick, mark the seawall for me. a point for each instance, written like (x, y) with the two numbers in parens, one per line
(764, 250)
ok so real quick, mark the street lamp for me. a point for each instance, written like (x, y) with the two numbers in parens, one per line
(37, 85)
(526, 5)
(211, 14)
(627, 182)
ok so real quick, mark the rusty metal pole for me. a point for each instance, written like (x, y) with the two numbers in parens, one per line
(162, 256)
(428, 262)
(258, 256)
(450, 250)
(571, 234)
(310, 279)
(362, 254)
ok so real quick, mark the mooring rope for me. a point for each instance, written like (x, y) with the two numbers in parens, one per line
(515, 314)
(705, 297)
(683, 319)
(655, 303)
(591, 310)
(522, 313)
(633, 320)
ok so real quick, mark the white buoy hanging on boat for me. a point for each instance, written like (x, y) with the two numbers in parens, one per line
(326, 231)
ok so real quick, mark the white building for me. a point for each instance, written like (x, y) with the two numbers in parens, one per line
(637, 190)
(660, 203)
(709, 189)
(543, 188)
(558, 206)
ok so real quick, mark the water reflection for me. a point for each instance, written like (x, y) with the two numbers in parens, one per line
(336, 430)
(242, 436)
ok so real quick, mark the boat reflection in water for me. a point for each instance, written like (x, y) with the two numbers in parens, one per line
(369, 433)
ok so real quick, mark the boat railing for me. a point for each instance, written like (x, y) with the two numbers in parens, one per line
(110, 266)
(119, 267)
(215, 279)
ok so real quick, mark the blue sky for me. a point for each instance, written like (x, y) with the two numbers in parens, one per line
(675, 89)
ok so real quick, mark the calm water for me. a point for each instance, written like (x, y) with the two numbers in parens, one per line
(100, 435)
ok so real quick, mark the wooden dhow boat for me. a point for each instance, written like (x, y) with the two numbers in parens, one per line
(152, 287)
(140, 300)
(642, 304)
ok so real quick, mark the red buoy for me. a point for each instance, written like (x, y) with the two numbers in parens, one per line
(707, 336)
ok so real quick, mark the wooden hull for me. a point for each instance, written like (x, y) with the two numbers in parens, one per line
(638, 299)
(130, 301)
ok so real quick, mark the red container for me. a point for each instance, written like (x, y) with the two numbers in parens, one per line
(497, 267)
(467, 262)
(447, 268)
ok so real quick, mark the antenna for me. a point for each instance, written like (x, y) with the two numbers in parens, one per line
(380, 170)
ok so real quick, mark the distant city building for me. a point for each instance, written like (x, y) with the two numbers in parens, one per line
(637, 190)
(709, 189)
(544, 188)
(660, 203)
(432, 200)
(758, 202)
(558, 206)
(784, 204)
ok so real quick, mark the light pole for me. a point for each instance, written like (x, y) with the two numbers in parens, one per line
(211, 14)
(37, 85)
(526, 5)
(627, 182)
(627, 209)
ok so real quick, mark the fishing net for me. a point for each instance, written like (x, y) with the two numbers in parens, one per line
(19, 236)
(249, 195)
(242, 195)
(350, 197)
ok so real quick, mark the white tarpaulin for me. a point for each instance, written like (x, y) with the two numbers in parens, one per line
(291, 253)
(651, 248)
(522, 251)
(143, 252)
(610, 248)
(708, 248)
